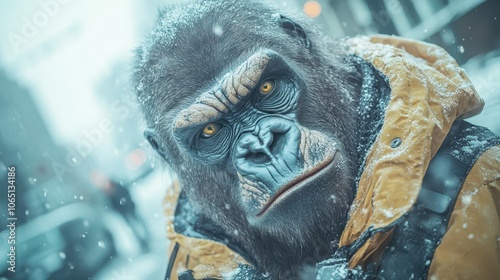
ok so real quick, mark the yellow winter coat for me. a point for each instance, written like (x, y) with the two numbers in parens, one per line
(429, 91)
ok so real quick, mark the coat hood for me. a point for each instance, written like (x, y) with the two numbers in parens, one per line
(429, 91)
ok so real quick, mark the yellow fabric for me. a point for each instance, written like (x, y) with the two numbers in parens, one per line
(206, 258)
(429, 91)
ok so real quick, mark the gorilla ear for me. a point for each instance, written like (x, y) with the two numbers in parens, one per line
(152, 137)
(293, 28)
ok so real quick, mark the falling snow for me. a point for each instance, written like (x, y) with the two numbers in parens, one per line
(466, 199)
(217, 29)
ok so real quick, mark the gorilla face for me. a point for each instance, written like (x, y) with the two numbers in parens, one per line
(256, 121)
(248, 121)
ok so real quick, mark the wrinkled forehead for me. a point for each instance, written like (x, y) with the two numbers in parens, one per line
(227, 93)
(203, 59)
(191, 79)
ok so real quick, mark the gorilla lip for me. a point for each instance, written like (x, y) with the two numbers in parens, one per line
(295, 183)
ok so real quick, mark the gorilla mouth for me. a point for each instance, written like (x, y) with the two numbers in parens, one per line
(296, 183)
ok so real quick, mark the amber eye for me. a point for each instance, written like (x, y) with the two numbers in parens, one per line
(266, 87)
(209, 130)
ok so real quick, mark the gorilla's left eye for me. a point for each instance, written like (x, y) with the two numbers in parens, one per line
(210, 130)
(266, 87)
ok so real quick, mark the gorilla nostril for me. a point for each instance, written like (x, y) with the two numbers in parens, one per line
(257, 157)
(276, 146)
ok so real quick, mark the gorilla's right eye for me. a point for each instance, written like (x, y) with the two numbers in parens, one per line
(266, 87)
(210, 130)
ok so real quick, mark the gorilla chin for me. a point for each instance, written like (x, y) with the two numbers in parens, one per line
(313, 189)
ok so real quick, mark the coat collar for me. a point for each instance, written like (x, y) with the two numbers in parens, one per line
(429, 91)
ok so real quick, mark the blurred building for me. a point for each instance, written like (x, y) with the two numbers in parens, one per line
(88, 203)
(463, 28)
(70, 224)
(56, 209)
(468, 29)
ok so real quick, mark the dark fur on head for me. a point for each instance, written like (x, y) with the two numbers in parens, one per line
(194, 45)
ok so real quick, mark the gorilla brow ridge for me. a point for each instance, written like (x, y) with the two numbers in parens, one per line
(234, 86)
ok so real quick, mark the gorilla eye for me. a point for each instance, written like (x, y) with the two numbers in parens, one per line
(210, 130)
(266, 87)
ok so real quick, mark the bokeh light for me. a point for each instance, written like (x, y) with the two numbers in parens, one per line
(312, 9)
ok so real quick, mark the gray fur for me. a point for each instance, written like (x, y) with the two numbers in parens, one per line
(183, 57)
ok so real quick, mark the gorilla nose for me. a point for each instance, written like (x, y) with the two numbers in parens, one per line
(262, 145)
(269, 154)
(272, 140)
(259, 146)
